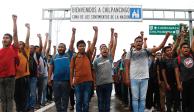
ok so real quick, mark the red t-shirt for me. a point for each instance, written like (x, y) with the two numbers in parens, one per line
(8, 57)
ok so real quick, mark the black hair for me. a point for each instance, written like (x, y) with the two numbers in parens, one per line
(139, 37)
(81, 42)
(102, 45)
(9, 35)
(166, 47)
(184, 43)
(63, 44)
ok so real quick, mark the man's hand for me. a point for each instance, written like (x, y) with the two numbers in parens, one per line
(73, 30)
(47, 34)
(95, 28)
(179, 87)
(49, 82)
(112, 30)
(167, 34)
(168, 87)
(39, 35)
(145, 38)
(14, 17)
(116, 35)
(128, 82)
(27, 25)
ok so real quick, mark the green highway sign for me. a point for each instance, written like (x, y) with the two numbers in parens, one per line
(162, 29)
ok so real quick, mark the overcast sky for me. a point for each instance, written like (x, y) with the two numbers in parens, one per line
(30, 11)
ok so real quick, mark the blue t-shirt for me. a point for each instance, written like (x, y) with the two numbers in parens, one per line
(61, 66)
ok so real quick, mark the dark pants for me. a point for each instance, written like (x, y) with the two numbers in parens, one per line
(82, 93)
(153, 95)
(49, 93)
(42, 84)
(72, 100)
(61, 95)
(172, 98)
(124, 91)
(7, 87)
(188, 96)
(104, 96)
(21, 93)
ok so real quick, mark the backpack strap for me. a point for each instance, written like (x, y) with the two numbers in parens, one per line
(179, 59)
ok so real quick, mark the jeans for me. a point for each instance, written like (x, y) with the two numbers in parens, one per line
(139, 90)
(82, 93)
(21, 93)
(104, 96)
(32, 92)
(7, 87)
(42, 84)
(61, 91)
(172, 98)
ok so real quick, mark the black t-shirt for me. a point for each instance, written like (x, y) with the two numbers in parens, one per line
(168, 65)
(186, 67)
(159, 64)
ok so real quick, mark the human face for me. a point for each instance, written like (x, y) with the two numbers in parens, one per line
(6, 41)
(185, 50)
(168, 52)
(138, 43)
(61, 48)
(104, 51)
(32, 49)
(21, 44)
(81, 48)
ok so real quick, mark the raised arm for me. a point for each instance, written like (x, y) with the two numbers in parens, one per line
(94, 39)
(155, 49)
(49, 48)
(192, 44)
(114, 45)
(111, 39)
(145, 42)
(55, 50)
(40, 42)
(45, 43)
(93, 55)
(27, 34)
(72, 39)
(127, 69)
(15, 33)
(176, 44)
(89, 44)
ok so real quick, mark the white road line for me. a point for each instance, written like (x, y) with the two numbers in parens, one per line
(46, 107)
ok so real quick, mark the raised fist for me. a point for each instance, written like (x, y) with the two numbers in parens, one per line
(74, 30)
(27, 25)
(14, 17)
(95, 28)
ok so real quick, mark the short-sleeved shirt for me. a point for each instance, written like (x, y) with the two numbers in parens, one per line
(186, 67)
(139, 68)
(168, 65)
(103, 69)
(23, 67)
(61, 66)
(8, 61)
(82, 68)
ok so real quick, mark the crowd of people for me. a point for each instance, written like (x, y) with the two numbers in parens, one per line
(144, 78)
